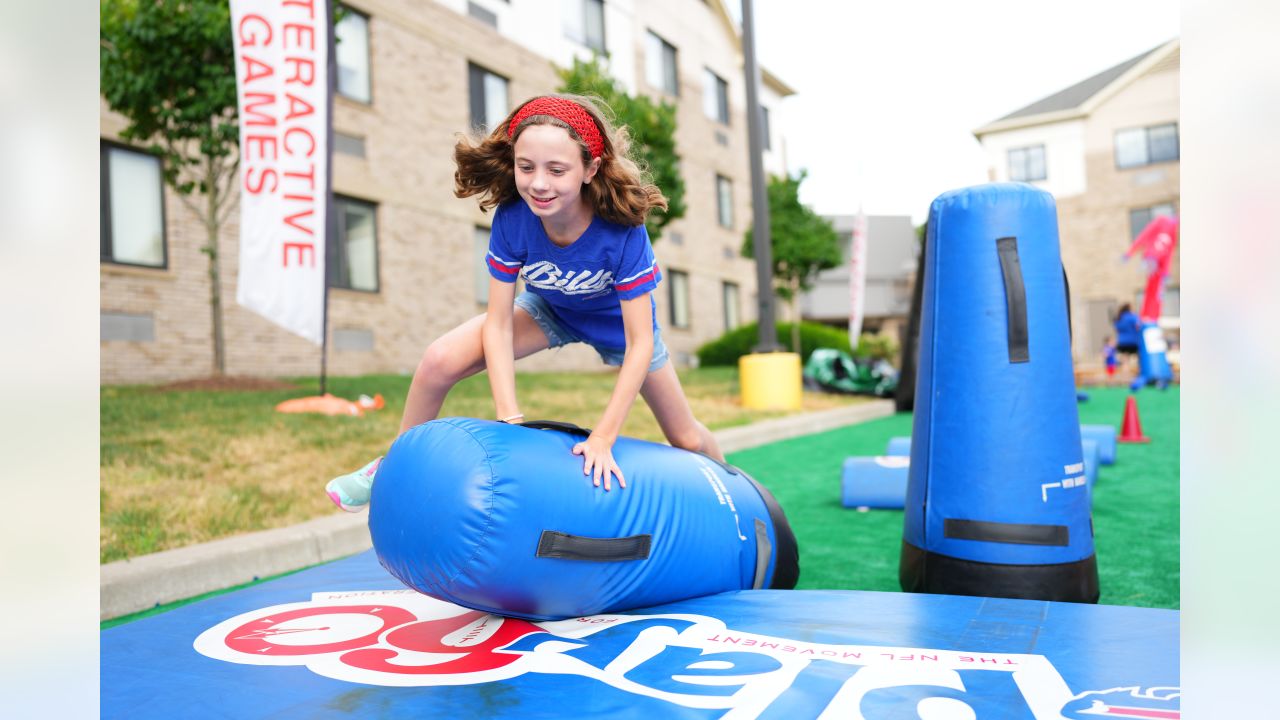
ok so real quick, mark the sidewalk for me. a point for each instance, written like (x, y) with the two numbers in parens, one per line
(141, 583)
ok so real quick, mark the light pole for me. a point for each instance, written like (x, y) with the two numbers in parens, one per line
(763, 247)
(769, 378)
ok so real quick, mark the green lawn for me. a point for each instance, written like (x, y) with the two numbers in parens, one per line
(182, 467)
(1135, 506)
(1135, 501)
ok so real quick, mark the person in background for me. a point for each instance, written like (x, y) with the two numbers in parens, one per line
(1128, 334)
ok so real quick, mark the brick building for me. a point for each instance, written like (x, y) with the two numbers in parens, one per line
(1107, 148)
(408, 263)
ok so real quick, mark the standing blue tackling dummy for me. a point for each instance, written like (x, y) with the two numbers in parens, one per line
(1153, 360)
(496, 517)
(997, 497)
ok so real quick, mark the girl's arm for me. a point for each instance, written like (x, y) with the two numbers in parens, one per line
(496, 336)
(597, 450)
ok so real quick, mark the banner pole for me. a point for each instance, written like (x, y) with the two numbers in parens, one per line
(330, 217)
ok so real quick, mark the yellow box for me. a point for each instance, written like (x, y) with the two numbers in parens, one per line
(770, 381)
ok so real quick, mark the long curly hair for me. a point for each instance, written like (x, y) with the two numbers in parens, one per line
(620, 193)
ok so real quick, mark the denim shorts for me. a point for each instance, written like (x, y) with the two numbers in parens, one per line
(558, 335)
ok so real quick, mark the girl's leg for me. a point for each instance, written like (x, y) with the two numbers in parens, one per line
(662, 391)
(456, 355)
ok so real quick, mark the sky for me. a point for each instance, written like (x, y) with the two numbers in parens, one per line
(888, 92)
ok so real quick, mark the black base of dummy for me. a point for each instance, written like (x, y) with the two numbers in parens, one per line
(926, 572)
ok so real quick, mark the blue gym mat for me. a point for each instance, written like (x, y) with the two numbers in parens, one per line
(345, 640)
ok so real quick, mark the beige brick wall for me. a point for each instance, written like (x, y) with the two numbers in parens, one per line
(419, 55)
(708, 252)
(1094, 227)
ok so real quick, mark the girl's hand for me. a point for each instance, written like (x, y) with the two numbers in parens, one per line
(597, 455)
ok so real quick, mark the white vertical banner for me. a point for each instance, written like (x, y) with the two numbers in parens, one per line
(857, 278)
(282, 59)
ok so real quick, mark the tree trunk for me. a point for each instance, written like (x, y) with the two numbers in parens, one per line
(215, 283)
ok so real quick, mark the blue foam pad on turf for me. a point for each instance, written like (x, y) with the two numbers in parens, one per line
(898, 446)
(1090, 447)
(334, 641)
(874, 482)
(1105, 436)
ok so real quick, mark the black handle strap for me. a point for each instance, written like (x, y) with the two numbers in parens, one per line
(553, 544)
(1015, 533)
(1015, 294)
(556, 425)
(1066, 285)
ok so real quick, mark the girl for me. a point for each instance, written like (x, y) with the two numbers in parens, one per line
(571, 207)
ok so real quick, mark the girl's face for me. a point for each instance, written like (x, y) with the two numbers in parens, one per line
(549, 172)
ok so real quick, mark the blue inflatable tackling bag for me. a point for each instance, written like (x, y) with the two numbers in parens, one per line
(500, 518)
(997, 499)
(1153, 360)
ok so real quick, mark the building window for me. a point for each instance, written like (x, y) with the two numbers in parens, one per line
(484, 15)
(1136, 147)
(1026, 164)
(730, 294)
(679, 284)
(724, 201)
(1141, 217)
(660, 64)
(764, 127)
(480, 255)
(715, 97)
(488, 97)
(584, 23)
(132, 215)
(351, 52)
(353, 260)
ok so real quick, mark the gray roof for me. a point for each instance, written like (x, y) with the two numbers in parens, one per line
(1076, 95)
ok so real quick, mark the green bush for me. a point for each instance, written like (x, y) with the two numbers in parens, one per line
(726, 349)
(878, 347)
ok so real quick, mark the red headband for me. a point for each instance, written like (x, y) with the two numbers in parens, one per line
(566, 111)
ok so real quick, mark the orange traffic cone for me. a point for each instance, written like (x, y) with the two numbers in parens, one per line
(1131, 430)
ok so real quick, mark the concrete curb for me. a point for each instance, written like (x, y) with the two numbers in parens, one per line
(141, 583)
(785, 428)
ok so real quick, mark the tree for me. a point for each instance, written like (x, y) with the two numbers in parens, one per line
(653, 134)
(168, 66)
(803, 244)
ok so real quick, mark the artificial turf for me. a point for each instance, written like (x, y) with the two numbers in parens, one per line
(1135, 503)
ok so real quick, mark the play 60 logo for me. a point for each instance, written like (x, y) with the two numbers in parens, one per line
(402, 638)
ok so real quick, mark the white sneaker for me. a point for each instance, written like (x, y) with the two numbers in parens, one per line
(351, 491)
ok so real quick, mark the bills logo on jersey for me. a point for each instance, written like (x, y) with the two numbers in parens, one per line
(401, 638)
(546, 275)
